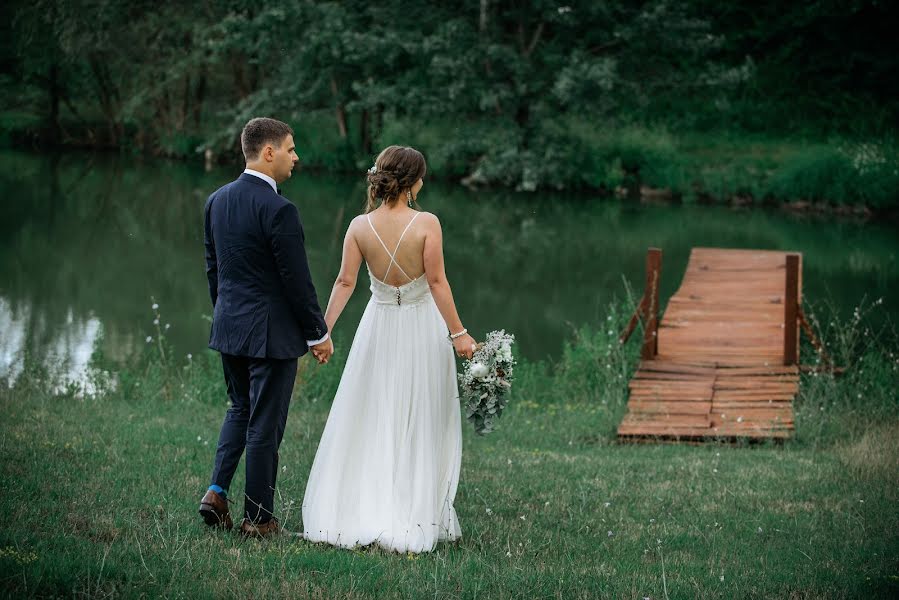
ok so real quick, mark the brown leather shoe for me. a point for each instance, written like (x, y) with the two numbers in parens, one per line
(214, 510)
(260, 530)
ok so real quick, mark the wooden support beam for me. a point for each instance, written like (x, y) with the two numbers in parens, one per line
(791, 311)
(651, 294)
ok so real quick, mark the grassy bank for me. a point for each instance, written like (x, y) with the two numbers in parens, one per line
(654, 159)
(100, 492)
(721, 166)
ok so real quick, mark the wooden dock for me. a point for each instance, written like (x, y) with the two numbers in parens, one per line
(722, 362)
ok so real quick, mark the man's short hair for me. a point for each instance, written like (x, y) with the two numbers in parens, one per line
(261, 131)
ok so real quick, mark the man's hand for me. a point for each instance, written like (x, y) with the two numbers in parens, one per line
(322, 352)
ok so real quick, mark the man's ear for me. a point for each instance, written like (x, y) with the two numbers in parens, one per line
(268, 153)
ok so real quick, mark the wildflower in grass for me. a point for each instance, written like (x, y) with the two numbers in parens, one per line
(611, 534)
(607, 504)
(167, 325)
(189, 356)
(156, 321)
(489, 511)
(759, 530)
(522, 517)
(149, 338)
(20, 557)
(155, 306)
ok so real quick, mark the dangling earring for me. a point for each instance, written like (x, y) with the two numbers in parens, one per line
(409, 198)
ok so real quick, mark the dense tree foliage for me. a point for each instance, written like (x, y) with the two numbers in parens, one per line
(497, 91)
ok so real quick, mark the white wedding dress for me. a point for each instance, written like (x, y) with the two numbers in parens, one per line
(387, 466)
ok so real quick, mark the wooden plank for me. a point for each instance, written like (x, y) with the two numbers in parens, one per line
(674, 408)
(756, 386)
(700, 433)
(674, 367)
(752, 396)
(738, 405)
(734, 383)
(685, 420)
(749, 371)
(662, 376)
(701, 387)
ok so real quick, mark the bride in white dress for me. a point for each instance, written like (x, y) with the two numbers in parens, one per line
(387, 466)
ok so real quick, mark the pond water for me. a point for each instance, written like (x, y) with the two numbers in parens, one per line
(89, 241)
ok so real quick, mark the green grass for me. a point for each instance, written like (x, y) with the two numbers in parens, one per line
(100, 493)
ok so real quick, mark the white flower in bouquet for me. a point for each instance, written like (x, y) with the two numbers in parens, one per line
(486, 380)
(478, 370)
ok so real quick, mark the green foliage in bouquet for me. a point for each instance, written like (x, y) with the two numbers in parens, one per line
(486, 380)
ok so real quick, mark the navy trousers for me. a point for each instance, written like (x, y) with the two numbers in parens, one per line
(259, 390)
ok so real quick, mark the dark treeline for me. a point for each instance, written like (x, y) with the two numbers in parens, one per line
(521, 94)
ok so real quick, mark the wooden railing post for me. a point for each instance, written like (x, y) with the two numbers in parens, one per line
(651, 295)
(791, 311)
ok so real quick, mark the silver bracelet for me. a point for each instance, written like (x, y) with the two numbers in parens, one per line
(454, 336)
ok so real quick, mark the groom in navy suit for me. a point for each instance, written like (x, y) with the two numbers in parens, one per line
(266, 315)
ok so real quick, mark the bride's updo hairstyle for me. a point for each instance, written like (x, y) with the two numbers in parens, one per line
(396, 170)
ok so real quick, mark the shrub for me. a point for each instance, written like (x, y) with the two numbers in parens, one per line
(842, 173)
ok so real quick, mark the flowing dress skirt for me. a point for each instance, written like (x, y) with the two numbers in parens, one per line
(387, 466)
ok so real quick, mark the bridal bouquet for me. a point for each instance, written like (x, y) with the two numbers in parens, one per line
(486, 380)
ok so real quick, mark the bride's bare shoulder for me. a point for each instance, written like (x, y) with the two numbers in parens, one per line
(357, 222)
(429, 220)
(355, 227)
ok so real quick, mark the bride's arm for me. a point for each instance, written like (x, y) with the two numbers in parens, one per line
(440, 287)
(346, 279)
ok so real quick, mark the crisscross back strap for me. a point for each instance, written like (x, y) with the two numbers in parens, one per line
(392, 255)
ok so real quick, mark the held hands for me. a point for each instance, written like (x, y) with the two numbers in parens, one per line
(323, 351)
(464, 346)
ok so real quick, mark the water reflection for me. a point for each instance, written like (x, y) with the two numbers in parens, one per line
(89, 239)
(12, 342)
(65, 359)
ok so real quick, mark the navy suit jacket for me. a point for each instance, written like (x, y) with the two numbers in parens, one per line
(259, 282)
